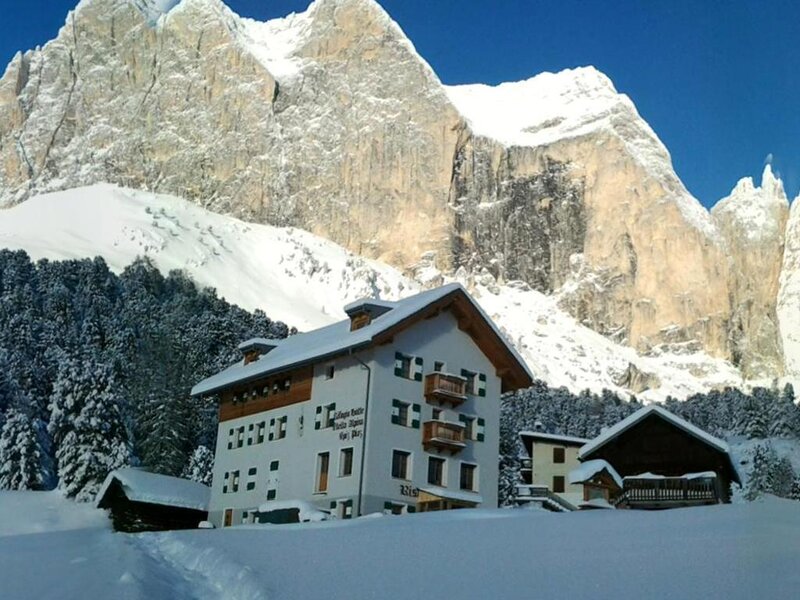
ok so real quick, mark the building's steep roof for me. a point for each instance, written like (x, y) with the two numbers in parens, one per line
(553, 438)
(640, 415)
(152, 488)
(327, 342)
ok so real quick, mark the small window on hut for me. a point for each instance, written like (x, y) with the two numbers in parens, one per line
(558, 456)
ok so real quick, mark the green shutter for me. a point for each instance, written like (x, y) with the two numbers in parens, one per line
(481, 384)
(415, 416)
(411, 509)
(398, 364)
(418, 370)
(333, 504)
(318, 418)
(395, 411)
(481, 428)
(387, 506)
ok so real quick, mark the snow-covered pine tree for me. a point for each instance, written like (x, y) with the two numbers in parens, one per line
(758, 481)
(24, 460)
(201, 466)
(87, 427)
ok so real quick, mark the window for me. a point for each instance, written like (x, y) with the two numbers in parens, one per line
(437, 414)
(235, 481)
(225, 481)
(469, 427)
(325, 416)
(408, 367)
(271, 494)
(476, 382)
(323, 461)
(346, 462)
(438, 366)
(240, 436)
(402, 366)
(260, 431)
(329, 371)
(467, 479)
(400, 464)
(558, 455)
(273, 466)
(287, 384)
(251, 479)
(558, 484)
(435, 470)
(470, 377)
(405, 414)
(281, 433)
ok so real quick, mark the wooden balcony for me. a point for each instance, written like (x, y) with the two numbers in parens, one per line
(669, 492)
(443, 435)
(445, 388)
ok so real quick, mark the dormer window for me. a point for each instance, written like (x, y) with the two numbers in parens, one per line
(359, 320)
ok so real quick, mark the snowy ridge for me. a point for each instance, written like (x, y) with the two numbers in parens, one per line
(295, 276)
(756, 209)
(572, 103)
(306, 281)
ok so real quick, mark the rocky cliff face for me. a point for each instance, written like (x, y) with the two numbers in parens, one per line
(753, 221)
(329, 120)
(788, 306)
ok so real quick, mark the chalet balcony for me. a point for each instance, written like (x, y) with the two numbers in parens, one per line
(443, 435)
(666, 492)
(444, 387)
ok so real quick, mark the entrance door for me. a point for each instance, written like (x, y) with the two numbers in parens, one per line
(323, 460)
(228, 517)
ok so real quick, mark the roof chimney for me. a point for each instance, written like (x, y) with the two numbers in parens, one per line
(255, 348)
(363, 312)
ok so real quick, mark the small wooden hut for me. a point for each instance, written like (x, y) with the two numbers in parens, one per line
(141, 501)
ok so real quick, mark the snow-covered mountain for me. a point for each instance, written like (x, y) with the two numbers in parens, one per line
(329, 121)
(305, 281)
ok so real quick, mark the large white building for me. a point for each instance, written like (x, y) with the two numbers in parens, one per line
(395, 408)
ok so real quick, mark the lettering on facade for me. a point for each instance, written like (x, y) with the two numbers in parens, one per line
(409, 490)
(349, 423)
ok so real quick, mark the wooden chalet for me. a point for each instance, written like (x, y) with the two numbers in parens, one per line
(141, 501)
(664, 461)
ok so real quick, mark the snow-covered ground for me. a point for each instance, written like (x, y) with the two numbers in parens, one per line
(305, 281)
(735, 551)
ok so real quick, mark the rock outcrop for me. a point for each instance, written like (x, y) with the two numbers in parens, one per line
(330, 121)
(788, 305)
(753, 221)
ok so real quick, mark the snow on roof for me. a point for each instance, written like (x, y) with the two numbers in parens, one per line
(258, 342)
(553, 437)
(591, 468)
(648, 475)
(336, 339)
(640, 415)
(152, 488)
(457, 495)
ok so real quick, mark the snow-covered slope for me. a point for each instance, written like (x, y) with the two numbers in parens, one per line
(305, 281)
(294, 276)
(505, 554)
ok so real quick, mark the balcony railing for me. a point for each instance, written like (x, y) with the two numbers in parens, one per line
(669, 491)
(443, 435)
(444, 387)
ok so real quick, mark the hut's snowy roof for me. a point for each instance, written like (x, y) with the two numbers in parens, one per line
(336, 339)
(152, 488)
(591, 468)
(640, 415)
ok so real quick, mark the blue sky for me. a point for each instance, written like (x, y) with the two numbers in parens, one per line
(717, 80)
